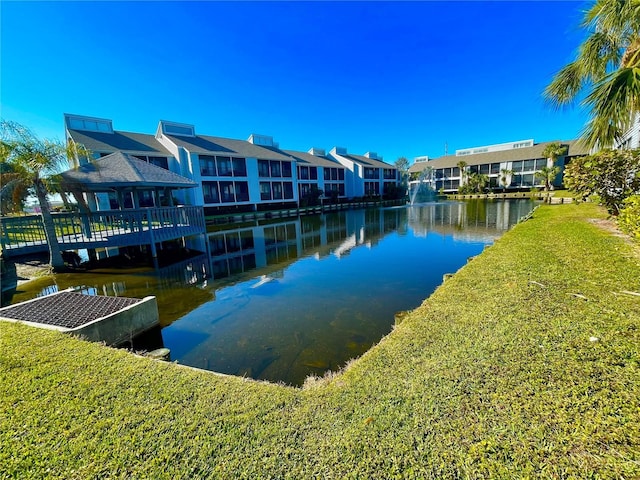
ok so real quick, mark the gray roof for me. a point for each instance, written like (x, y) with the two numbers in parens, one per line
(306, 158)
(206, 145)
(129, 142)
(122, 170)
(528, 153)
(368, 162)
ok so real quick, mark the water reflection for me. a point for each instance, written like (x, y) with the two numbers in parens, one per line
(282, 299)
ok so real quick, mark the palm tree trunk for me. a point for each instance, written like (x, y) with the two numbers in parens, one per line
(55, 254)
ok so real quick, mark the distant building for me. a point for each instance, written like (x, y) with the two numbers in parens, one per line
(520, 159)
(238, 175)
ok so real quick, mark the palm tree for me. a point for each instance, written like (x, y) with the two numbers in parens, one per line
(553, 151)
(462, 165)
(35, 163)
(548, 175)
(477, 182)
(504, 173)
(606, 68)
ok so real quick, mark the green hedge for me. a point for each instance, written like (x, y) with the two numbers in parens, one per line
(629, 218)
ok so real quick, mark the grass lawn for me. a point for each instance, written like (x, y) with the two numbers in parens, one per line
(525, 364)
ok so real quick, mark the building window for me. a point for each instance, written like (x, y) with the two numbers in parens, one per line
(286, 169)
(527, 180)
(263, 168)
(304, 189)
(516, 166)
(371, 188)
(371, 173)
(303, 173)
(275, 168)
(288, 190)
(239, 167)
(242, 191)
(224, 166)
(276, 188)
(455, 172)
(313, 173)
(265, 191)
(227, 193)
(473, 168)
(484, 169)
(529, 165)
(541, 162)
(210, 190)
(207, 166)
(389, 173)
(495, 168)
(161, 162)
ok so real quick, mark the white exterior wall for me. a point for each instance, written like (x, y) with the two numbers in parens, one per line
(254, 180)
(353, 181)
(180, 165)
(631, 138)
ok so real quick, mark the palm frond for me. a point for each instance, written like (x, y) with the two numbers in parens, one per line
(600, 53)
(619, 17)
(566, 84)
(614, 102)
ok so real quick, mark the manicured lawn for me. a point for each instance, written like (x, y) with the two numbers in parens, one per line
(525, 364)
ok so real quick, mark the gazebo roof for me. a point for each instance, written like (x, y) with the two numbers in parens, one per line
(120, 170)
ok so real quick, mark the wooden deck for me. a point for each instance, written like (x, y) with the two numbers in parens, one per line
(103, 229)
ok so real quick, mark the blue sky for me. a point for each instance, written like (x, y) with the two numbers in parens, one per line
(399, 79)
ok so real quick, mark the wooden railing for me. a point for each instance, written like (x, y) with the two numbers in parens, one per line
(106, 228)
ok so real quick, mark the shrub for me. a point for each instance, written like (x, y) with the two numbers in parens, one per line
(629, 218)
(613, 175)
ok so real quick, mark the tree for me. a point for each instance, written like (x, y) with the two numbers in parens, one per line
(553, 151)
(402, 164)
(35, 163)
(13, 194)
(504, 174)
(607, 68)
(613, 175)
(462, 165)
(477, 182)
(548, 175)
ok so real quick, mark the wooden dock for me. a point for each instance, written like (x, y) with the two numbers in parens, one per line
(102, 229)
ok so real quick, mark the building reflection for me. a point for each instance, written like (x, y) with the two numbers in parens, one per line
(268, 247)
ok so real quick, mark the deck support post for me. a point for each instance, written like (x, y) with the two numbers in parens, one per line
(154, 252)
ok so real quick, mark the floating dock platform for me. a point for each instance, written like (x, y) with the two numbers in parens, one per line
(113, 320)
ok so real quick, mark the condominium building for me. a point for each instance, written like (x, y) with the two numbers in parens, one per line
(232, 174)
(366, 175)
(507, 165)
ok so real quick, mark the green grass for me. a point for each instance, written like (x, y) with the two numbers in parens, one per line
(494, 376)
(563, 193)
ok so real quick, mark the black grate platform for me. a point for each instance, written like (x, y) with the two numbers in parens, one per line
(67, 309)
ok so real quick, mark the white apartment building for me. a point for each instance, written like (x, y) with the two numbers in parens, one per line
(366, 175)
(231, 174)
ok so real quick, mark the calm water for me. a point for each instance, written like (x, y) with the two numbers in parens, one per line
(300, 296)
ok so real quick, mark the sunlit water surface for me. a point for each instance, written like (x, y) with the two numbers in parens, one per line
(300, 296)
